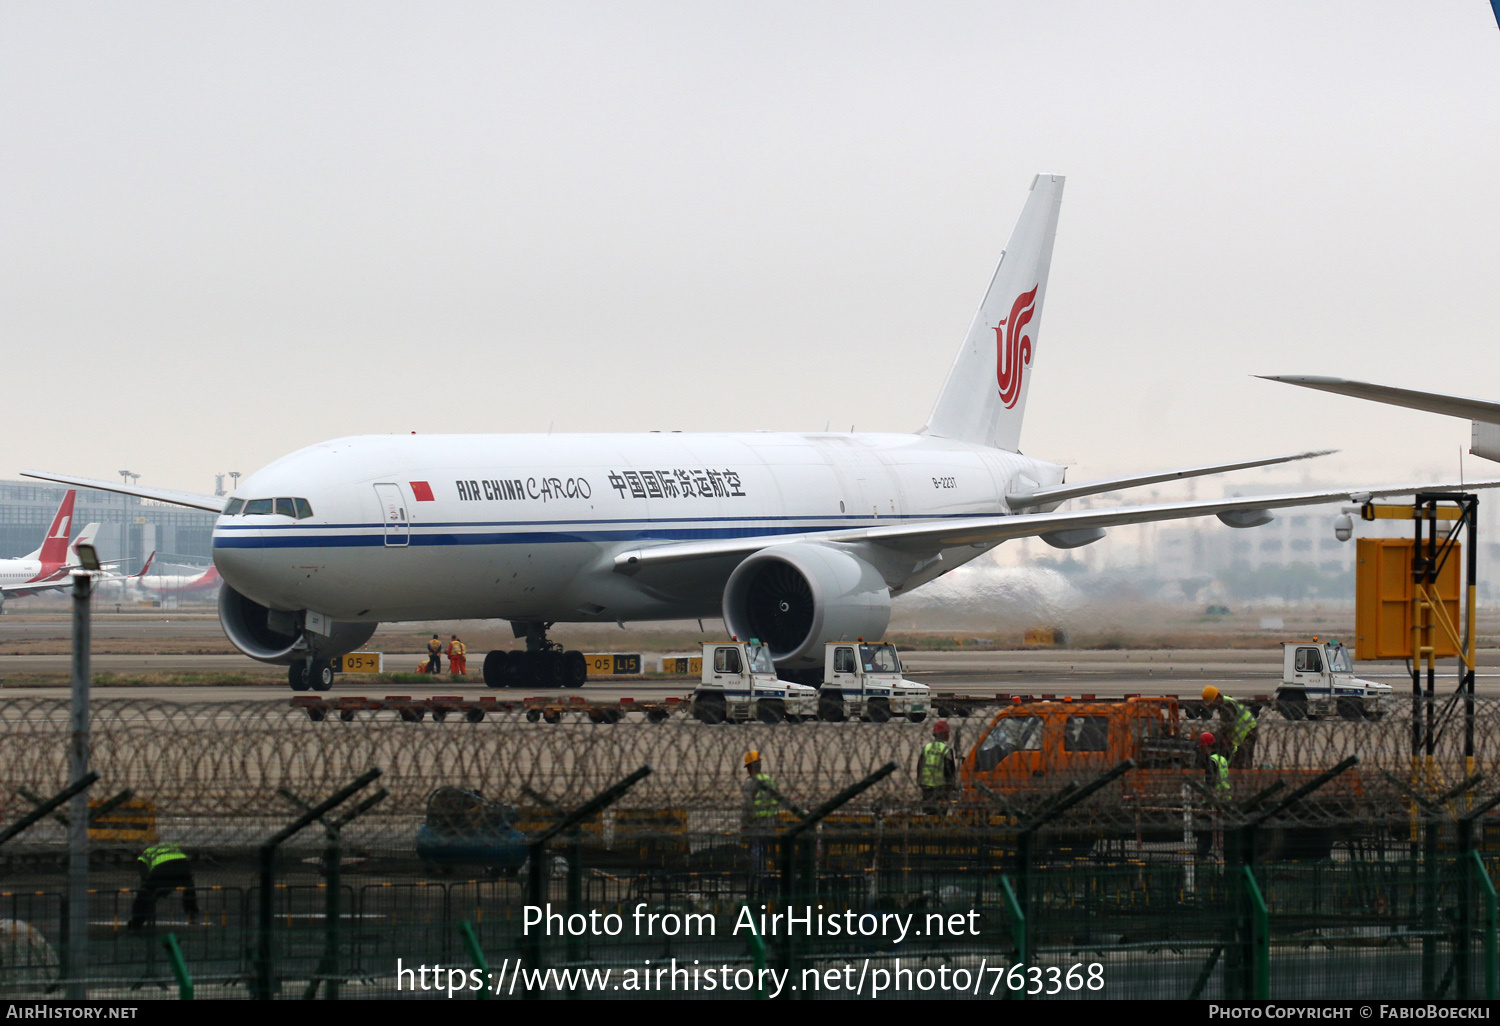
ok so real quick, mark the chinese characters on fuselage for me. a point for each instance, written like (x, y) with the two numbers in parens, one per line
(677, 483)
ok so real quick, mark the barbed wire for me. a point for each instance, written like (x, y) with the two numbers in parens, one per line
(228, 760)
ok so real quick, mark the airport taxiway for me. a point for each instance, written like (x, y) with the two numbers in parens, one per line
(1106, 674)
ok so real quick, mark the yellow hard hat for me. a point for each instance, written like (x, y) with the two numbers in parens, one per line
(752, 757)
(1210, 693)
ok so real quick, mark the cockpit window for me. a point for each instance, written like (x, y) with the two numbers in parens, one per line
(299, 509)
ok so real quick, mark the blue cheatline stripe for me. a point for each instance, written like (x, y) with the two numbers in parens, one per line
(847, 519)
(500, 538)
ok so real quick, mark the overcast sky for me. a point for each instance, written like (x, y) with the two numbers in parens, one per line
(231, 230)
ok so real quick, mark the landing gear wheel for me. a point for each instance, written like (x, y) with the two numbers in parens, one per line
(525, 669)
(710, 709)
(552, 668)
(770, 710)
(494, 669)
(878, 710)
(320, 675)
(575, 670)
(296, 675)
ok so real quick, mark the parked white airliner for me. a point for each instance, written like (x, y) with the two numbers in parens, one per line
(177, 584)
(46, 567)
(795, 539)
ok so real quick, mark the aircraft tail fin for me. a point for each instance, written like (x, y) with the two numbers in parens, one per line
(984, 397)
(54, 548)
(145, 566)
(85, 537)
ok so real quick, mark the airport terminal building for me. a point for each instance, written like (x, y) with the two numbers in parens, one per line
(130, 528)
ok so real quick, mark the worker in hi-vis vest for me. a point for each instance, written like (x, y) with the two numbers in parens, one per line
(164, 869)
(937, 769)
(1238, 726)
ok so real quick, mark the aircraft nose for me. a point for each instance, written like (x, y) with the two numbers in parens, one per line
(243, 568)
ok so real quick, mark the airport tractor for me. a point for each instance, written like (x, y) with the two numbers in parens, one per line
(1317, 681)
(863, 681)
(740, 684)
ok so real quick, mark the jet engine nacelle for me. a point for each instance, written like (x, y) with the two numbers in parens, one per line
(796, 597)
(273, 635)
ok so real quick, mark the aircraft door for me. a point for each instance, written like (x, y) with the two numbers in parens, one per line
(393, 512)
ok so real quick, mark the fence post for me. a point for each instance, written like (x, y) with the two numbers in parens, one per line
(1429, 908)
(266, 984)
(538, 871)
(793, 837)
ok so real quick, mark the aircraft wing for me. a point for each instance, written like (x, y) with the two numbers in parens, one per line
(934, 535)
(211, 503)
(1043, 496)
(1431, 402)
(11, 589)
(53, 585)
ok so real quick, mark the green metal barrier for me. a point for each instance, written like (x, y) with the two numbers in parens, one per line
(1260, 936)
(758, 955)
(1017, 928)
(476, 955)
(179, 967)
(1491, 968)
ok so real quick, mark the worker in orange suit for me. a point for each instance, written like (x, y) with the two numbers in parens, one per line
(457, 663)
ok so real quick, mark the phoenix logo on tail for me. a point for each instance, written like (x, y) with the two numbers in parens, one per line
(1012, 348)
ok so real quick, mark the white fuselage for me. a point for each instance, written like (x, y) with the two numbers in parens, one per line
(25, 571)
(525, 527)
(178, 584)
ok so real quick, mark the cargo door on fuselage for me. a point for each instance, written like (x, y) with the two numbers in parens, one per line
(393, 513)
(868, 485)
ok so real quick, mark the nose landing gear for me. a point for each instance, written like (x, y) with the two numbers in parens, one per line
(543, 664)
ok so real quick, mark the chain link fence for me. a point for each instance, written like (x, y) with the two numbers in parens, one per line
(1338, 866)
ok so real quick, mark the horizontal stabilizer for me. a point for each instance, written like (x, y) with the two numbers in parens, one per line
(1044, 496)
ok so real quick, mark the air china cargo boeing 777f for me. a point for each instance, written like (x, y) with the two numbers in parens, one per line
(795, 539)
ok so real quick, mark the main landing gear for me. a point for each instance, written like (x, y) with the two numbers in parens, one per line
(543, 664)
(310, 673)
